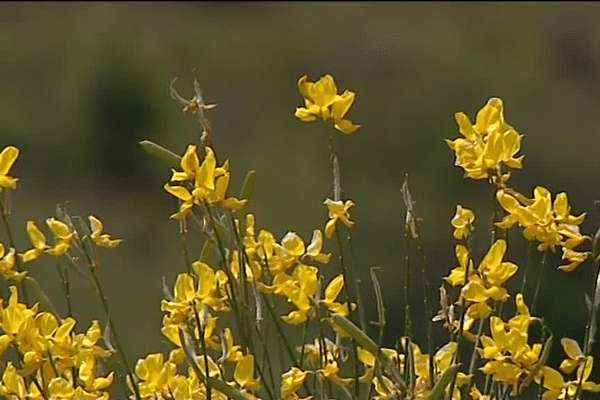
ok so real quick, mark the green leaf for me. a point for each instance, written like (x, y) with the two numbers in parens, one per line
(246, 194)
(440, 386)
(207, 251)
(172, 159)
(248, 186)
(34, 287)
(368, 344)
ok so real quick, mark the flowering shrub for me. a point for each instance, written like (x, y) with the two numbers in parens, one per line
(223, 315)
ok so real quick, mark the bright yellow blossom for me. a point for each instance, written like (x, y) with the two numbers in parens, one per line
(7, 265)
(487, 145)
(37, 239)
(338, 211)
(100, 238)
(322, 101)
(210, 183)
(8, 156)
(244, 373)
(462, 222)
(291, 382)
(63, 234)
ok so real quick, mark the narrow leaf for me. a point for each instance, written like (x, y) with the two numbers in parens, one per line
(172, 159)
(440, 386)
(368, 344)
(207, 251)
(33, 286)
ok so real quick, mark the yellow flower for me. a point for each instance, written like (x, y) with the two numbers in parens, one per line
(99, 238)
(332, 291)
(64, 236)
(244, 373)
(338, 211)
(488, 144)
(7, 265)
(210, 183)
(549, 223)
(155, 375)
(12, 385)
(322, 101)
(37, 239)
(8, 156)
(291, 382)
(462, 222)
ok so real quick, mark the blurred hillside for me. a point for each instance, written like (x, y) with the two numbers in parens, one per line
(82, 83)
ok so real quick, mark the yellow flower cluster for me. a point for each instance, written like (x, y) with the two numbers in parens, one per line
(50, 354)
(200, 184)
(549, 223)
(321, 100)
(508, 357)
(488, 145)
(214, 316)
(484, 283)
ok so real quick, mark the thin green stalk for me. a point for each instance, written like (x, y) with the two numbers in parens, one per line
(539, 282)
(530, 248)
(493, 227)
(263, 341)
(218, 384)
(282, 335)
(347, 298)
(407, 319)
(352, 269)
(463, 312)
(203, 344)
(120, 350)
(64, 279)
(426, 300)
(381, 322)
(184, 243)
(5, 214)
(234, 302)
(474, 355)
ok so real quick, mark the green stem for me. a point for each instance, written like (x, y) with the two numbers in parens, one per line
(234, 302)
(5, 215)
(120, 350)
(352, 269)
(528, 263)
(64, 279)
(219, 385)
(184, 243)
(347, 298)
(474, 355)
(426, 300)
(407, 319)
(203, 344)
(539, 282)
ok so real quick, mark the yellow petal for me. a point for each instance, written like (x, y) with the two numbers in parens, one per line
(571, 348)
(7, 158)
(178, 191)
(464, 127)
(305, 115)
(324, 91)
(35, 235)
(334, 288)
(59, 228)
(293, 244)
(345, 126)
(341, 105)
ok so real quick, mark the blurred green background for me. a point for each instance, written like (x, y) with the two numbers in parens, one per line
(82, 84)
